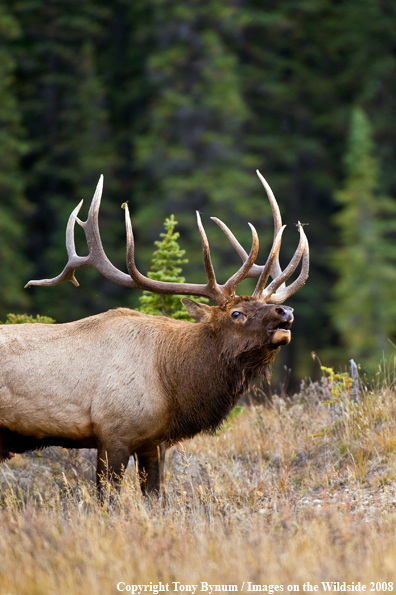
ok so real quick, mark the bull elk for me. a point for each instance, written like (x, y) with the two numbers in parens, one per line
(126, 383)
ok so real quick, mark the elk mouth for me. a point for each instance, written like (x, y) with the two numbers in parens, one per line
(281, 335)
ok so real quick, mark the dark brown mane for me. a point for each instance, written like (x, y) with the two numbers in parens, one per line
(201, 401)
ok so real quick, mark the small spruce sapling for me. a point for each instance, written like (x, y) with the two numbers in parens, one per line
(166, 266)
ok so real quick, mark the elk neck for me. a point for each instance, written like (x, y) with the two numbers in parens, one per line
(203, 376)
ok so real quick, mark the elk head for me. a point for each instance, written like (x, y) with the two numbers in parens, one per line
(256, 314)
(248, 317)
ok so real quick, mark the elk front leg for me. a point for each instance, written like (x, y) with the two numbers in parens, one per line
(151, 469)
(111, 466)
(5, 453)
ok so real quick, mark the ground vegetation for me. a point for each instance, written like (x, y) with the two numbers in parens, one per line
(300, 490)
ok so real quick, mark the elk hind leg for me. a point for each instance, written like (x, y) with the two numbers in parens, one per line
(111, 467)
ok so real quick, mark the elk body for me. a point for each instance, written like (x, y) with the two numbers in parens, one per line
(127, 383)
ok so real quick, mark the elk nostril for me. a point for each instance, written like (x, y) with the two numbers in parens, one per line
(280, 311)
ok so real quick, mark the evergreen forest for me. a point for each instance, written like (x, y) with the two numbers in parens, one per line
(177, 104)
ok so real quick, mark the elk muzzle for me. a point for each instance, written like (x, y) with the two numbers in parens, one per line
(280, 334)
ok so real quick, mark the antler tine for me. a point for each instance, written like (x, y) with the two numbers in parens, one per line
(96, 257)
(240, 275)
(269, 293)
(255, 270)
(275, 269)
(206, 254)
(280, 297)
(73, 262)
(139, 279)
(269, 264)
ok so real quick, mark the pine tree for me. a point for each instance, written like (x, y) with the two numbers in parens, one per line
(189, 154)
(364, 306)
(166, 267)
(13, 205)
(64, 114)
(304, 64)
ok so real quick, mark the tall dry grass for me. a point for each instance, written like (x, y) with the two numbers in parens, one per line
(302, 490)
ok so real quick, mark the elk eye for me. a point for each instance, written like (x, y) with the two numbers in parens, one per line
(235, 315)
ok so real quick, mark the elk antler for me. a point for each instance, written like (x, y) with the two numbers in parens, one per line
(276, 292)
(98, 259)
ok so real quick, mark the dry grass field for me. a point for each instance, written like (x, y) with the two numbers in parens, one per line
(303, 490)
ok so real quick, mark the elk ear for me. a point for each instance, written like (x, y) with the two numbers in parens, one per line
(200, 312)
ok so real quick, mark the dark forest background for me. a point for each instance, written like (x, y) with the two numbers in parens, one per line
(177, 103)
